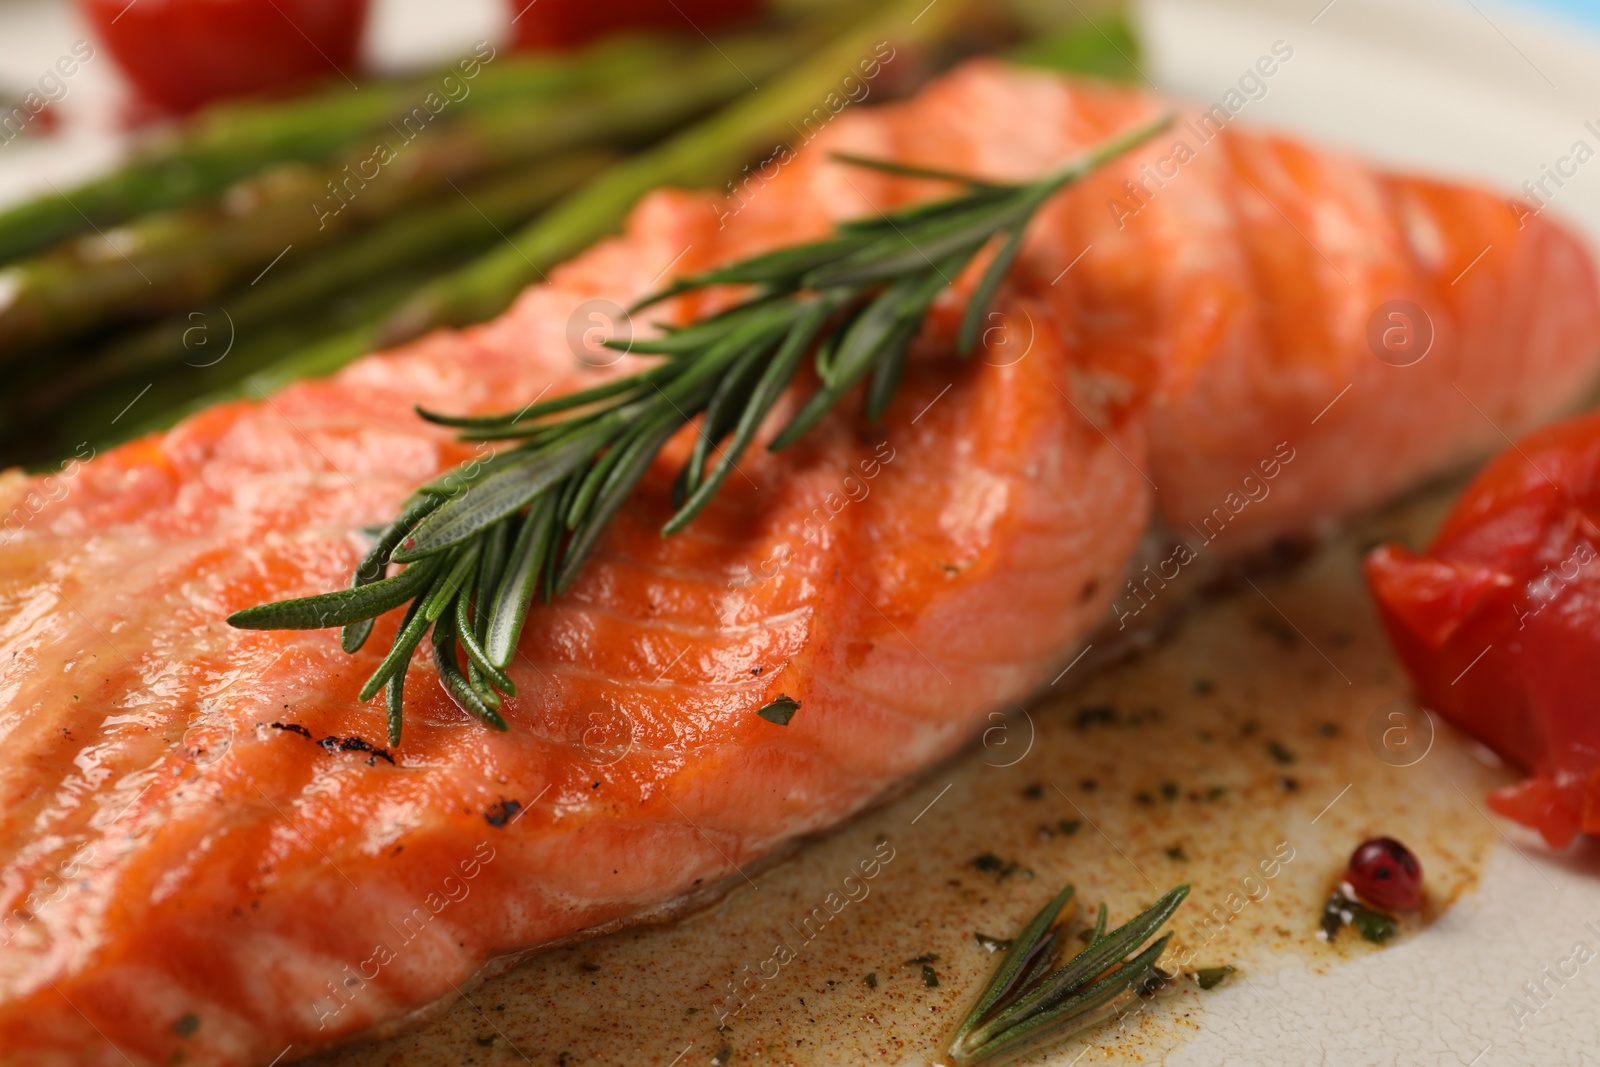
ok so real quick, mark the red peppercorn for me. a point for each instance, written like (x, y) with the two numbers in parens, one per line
(1384, 872)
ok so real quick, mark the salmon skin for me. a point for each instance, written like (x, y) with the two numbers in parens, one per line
(207, 854)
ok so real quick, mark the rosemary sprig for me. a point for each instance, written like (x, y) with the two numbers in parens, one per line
(1033, 996)
(481, 542)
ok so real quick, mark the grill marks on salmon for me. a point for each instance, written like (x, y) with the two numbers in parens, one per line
(200, 850)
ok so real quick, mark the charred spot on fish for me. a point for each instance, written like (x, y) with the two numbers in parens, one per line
(334, 743)
(355, 744)
(1290, 551)
(1275, 628)
(502, 812)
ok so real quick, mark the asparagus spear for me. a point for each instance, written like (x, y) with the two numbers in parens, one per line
(136, 404)
(335, 349)
(473, 219)
(704, 154)
(824, 71)
(170, 260)
(229, 142)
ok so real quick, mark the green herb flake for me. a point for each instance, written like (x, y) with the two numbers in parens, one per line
(989, 863)
(929, 978)
(1216, 792)
(872, 980)
(187, 1025)
(1374, 926)
(1211, 977)
(926, 957)
(1096, 715)
(724, 1054)
(992, 944)
(485, 1042)
(1177, 854)
(1069, 826)
(1282, 755)
(780, 711)
(1034, 791)
(1152, 983)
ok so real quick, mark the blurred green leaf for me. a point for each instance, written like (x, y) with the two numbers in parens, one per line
(1104, 46)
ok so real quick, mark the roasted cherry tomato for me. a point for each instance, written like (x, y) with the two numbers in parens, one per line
(1499, 622)
(553, 24)
(181, 54)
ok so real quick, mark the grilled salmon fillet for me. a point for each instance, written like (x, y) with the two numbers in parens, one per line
(205, 851)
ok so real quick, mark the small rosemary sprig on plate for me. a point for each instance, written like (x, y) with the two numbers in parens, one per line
(1033, 996)
(480, 543)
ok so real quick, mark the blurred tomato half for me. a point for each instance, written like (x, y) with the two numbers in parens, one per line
(181, 54)
(555, 24)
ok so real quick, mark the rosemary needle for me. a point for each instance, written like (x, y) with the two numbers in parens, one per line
(1033, 996)
(480, 543)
